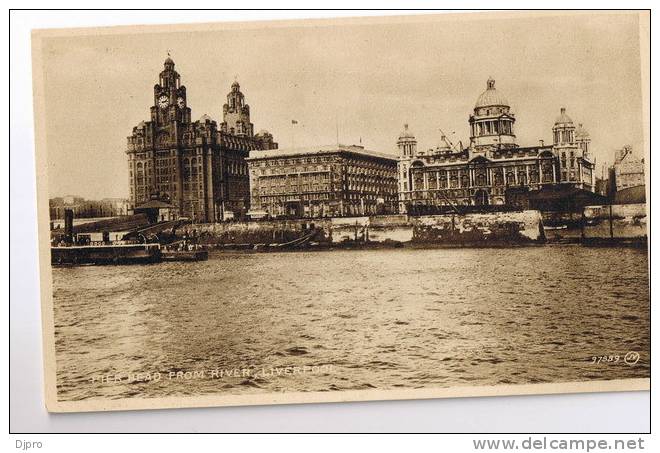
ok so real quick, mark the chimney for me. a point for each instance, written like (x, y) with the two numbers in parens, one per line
(68, 225)
(540, 142)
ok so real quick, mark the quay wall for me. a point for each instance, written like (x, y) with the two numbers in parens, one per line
(530, 226)
(266, 232)
(562, 226)
(382, 228)
(493, 227)
(449, 229)
(391, 228)
(624, 221)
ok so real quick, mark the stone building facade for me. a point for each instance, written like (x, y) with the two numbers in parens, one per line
(196, 166)
(324, 181)
(484, 172)
(627, 171)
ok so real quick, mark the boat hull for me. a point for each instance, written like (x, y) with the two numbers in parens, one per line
(185, 255)
(106, 254)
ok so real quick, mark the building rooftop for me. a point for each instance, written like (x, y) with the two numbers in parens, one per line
(121, 223)
(154, 204)
(581, 132)
(563, 118)
(491, 97)
(312, 150)
(406, 133)
(559, 191)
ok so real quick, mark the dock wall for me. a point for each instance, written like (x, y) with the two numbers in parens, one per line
(495, 227)
(627, 221)
(273, 231)
(562, 226)
(523, 227)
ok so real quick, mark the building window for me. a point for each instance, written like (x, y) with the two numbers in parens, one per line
(510, 178)
(533, 177)
(547, 173)
(433, 182)
(499, 179)
(418, 181)
(464, 181)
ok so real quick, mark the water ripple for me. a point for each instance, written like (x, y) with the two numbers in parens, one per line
(381, 319)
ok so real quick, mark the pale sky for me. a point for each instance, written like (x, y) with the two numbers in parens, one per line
(367, 79)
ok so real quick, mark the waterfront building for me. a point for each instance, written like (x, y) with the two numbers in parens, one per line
(322, 181)
(157, 211)
(196, 166)
(626, 183)
(493, 169)
(627, 171)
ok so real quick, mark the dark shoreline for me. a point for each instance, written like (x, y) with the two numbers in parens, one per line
(220, 249)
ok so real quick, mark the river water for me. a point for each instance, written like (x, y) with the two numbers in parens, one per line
(326, 321)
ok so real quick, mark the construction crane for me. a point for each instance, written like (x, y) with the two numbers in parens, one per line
(448, 140)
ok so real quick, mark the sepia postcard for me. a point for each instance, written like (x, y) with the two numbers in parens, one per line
(368, 208)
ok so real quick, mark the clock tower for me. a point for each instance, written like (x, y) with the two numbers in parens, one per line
(170, 103)
(195, 167)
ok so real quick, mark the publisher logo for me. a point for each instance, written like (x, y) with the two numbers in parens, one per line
(631, 358)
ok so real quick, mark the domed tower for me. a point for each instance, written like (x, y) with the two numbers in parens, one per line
(236, 114)
(407, 144)
(583, 141)
(564, 129)
(265, 140)
(565, 147)
(491, 124)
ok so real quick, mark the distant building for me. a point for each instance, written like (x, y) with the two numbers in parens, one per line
(196, 165)
(107, 207)
(322, 181)
(627, 171)
(493, 169)
(72, 200)
(602, 186)
(57, 206)
(118, 206)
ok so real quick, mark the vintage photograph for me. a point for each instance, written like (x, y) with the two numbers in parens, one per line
(364, 208)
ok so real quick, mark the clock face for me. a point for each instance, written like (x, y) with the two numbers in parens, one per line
(180, 102)
(163, 102)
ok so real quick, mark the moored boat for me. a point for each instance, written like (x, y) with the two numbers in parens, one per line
(106, 254)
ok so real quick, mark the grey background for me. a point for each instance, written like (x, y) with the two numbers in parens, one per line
(614, 412)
